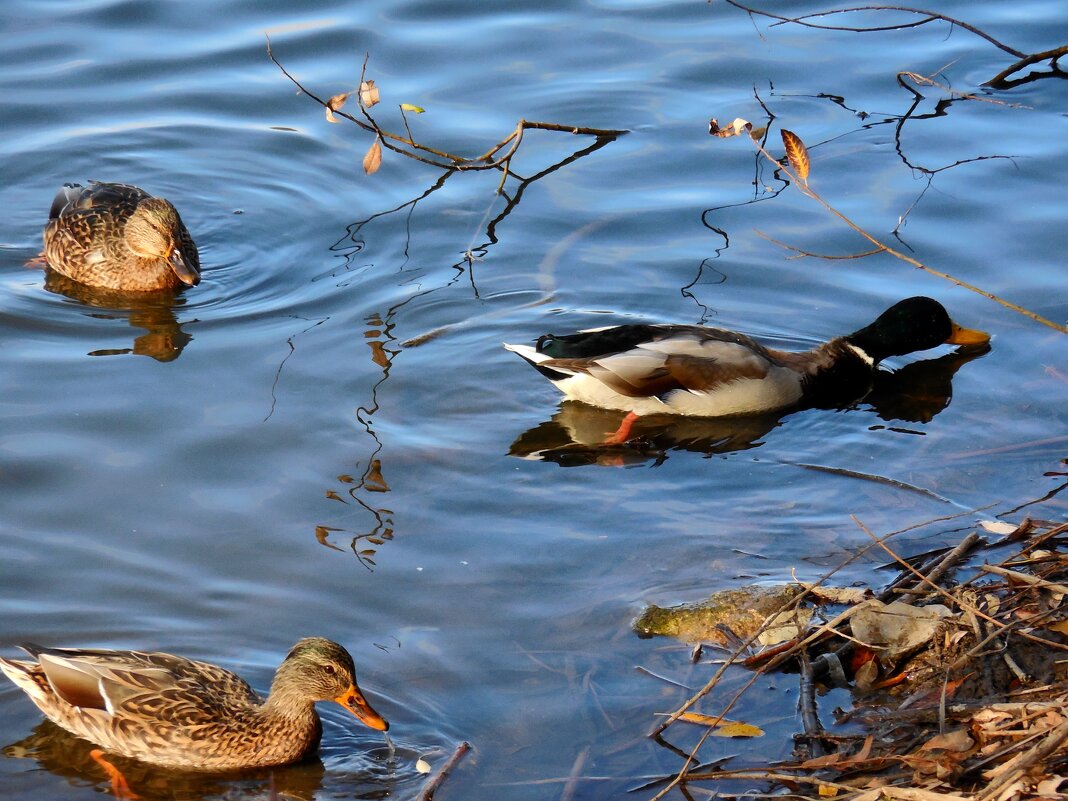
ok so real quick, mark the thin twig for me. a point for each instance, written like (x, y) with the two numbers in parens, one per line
(444, 160)
(804, 188)
(931, 16)
(1023, 762)
(1024, 578)
(434, 783)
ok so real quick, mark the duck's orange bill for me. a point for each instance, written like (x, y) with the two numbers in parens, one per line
(967, 336)
(354, 701)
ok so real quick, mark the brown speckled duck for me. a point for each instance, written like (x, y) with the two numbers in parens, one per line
(710, 372)
(117, 236)
(176, 712)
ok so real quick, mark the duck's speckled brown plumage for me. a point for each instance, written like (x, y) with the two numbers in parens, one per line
(178, 712)
(117, 236)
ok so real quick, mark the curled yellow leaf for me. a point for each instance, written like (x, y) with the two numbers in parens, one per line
(796, 153)
(373, 160)
(703, 720)
(411, 108)
(739, 730)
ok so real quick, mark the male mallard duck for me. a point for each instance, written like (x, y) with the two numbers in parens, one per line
(689, 369)
(175, 712)
(117, 236)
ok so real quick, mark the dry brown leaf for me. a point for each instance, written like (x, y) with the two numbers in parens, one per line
(824, 761)
(993, 603)
(896, 627)
(797, 153)
(785, 626)
(999, 527)
(989, 717)
(1053, 718)
(1014, 790)
(957, 740)
(736, 127)
(917, 794)
(1048, 787)
(373, 160)
(867, 674)
(368, 94)
(334, 104)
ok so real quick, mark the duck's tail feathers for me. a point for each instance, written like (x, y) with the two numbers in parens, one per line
(25, 675)
(535, 359)
(66, 194)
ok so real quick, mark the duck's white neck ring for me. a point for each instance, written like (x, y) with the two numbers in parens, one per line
(861, 353)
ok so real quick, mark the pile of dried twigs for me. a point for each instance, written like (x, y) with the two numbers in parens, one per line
(960, 687)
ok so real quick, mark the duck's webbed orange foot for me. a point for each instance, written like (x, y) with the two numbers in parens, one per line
(119, 787)
(622, 434)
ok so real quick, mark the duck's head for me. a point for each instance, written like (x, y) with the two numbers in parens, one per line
(153, 232)
(317, 669)
(910, 325)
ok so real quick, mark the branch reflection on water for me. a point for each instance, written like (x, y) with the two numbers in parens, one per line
(576, 433)
(360, 487)
(370, 479)
(151, 311)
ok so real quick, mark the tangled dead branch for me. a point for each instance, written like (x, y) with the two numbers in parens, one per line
(999, 81)
(497, 157)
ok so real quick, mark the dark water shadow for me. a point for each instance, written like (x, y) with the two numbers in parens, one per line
(918, 391)
(154, 312)
(576, 433)
(63, 754)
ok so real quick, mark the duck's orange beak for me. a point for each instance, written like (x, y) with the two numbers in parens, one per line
(967, 336)
(352, 699)
(185, 271)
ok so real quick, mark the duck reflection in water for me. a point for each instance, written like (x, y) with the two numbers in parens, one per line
(164, 339)
(576, 434)
(63, 754)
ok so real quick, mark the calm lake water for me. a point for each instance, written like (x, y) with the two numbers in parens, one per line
(326, 437)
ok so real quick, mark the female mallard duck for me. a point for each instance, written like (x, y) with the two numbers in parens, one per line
(117, 236)
(175, 712)
(689, 369)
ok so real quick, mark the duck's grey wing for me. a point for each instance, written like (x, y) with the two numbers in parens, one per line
(694, 360)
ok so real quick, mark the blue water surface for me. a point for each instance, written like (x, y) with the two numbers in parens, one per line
(326, 437)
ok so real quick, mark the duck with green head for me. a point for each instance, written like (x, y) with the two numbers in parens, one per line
(177, 712)
(711, 372)
(117, 236)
